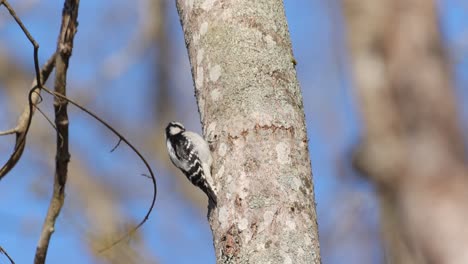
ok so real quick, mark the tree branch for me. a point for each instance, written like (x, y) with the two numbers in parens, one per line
(24, 121)
(3, 251)
(60, 60)
(64, 51)
(22, 126)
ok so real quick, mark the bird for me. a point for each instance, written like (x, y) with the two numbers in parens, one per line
(190, 153)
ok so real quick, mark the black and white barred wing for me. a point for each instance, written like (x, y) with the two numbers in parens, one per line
(187, 154)
(196, 152)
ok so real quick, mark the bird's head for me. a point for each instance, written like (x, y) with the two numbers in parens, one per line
(174, 128)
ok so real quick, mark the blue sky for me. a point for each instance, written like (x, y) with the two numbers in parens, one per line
(178, 232)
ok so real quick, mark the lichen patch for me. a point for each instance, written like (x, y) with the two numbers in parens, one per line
(283, 153)
(222, 149)
(203, 28)
(269, 40)
(196, 39)
(223, 217)
(199, 79)
(208, 4)
(267, 218)
(200, 54)
(215, 73)
(287, 259)
(215, 95)
(243, 224)
(220, 172)
(189, 5)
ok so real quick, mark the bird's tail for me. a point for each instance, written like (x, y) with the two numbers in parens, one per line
(212, 196)
(208, 190)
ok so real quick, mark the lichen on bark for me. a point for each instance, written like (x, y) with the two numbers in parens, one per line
(251, 110)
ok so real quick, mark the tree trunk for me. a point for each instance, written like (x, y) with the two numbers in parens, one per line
(252, 113)
(413, 148)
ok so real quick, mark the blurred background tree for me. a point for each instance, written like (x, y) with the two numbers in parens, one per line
(413, 147)
(130, 65)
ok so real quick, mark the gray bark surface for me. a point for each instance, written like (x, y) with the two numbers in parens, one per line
(251, 109)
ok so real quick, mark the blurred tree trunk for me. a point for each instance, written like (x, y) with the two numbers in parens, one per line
(413, 148)
(252, 112)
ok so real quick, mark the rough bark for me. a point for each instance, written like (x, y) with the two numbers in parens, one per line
(251, 110)
(64, 50)
(413, 148)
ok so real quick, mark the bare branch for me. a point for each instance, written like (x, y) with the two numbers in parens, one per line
(60, 61)
(116, 145)
(8, 132)
(146, 175)
(28, 35)
(64, 50)
(3, 251)
(46, 118)
(24, 120)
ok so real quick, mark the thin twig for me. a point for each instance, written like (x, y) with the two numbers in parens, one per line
(24, 121)
(116, 145)
(8, 132)
(64, 50)
(50, 122)
(28, 35)
(3, 251)
(123, 139)
(46, 117)
(145, 175)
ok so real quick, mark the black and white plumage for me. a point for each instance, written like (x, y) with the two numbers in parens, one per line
(191, 154)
